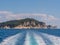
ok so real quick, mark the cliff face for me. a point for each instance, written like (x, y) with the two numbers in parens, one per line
(23, 23)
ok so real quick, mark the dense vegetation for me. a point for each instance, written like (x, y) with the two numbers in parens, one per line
(14, 23)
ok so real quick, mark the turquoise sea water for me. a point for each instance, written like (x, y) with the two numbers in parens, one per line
(21, 36)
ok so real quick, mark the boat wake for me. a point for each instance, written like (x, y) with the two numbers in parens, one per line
(31, 38)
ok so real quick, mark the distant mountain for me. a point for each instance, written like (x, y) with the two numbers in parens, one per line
(23, 23)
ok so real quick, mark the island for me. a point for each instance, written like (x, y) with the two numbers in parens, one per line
(26, 23)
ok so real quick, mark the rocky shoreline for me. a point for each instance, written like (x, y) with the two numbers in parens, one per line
(27, 23)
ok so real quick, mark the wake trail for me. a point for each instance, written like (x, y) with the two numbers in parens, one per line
(12, 40)
(30, 40)
(55, 40)
(49, 39)
(39, 39)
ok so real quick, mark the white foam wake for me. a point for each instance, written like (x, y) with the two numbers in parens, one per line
(39, 39)
(11, 40)
(32, 38)
(27, 39)
(46, 39)
(55, 40)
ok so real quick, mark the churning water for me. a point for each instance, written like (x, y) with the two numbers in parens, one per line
(29, 36)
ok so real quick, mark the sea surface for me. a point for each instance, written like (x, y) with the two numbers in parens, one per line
(29, 36)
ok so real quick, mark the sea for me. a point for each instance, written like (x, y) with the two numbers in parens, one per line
(29, 36)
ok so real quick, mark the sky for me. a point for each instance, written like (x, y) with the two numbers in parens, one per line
(42, 10)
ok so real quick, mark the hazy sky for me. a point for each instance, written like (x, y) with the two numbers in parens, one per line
(31, 6)
(46, 10)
